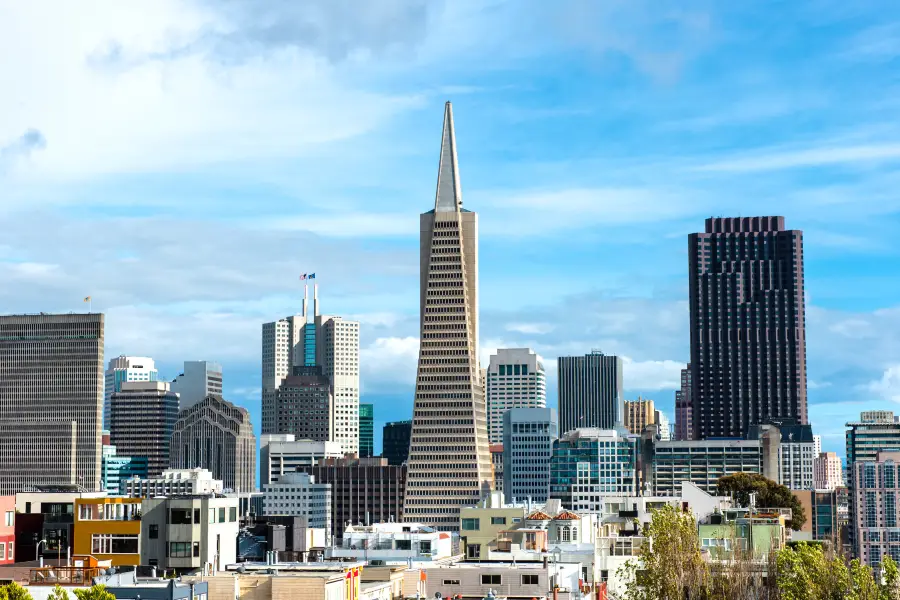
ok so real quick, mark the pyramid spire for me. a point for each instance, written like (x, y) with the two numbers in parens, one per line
(448, 197)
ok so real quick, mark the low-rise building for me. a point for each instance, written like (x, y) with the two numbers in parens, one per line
(108, 529)
(189, 533)
(392, 543)
(281, 453)
(481, 524)
(115, 469)
(300, 495)
(174, 482)
(7, 530)
(555, 579)
(45, 520)
(306, 581)
(757, 533)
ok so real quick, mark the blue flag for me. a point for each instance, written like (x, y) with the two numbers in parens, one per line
(312, 275)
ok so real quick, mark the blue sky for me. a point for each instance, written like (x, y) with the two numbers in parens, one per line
(182, 161)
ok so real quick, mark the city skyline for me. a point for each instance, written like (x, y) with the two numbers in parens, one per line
(605, 169)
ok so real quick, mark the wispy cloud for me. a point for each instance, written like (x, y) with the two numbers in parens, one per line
(21, 148)
(813, 157)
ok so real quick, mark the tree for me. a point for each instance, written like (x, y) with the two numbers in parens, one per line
(97, 592)
(769, 494)
(14, 591)
(58, 593)
(891, 579)
(806, 572)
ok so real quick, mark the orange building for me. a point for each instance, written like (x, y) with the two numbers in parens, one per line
(108, 529)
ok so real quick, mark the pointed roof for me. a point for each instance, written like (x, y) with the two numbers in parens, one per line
(538, 515)
(448, 197)
(566, 515)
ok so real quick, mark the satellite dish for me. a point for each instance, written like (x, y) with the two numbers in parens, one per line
(437, 595)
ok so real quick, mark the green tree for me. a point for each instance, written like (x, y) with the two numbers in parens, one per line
(58, 593)
(670, 567)
(769, 494)
(806, 572)
(14, 591)
(890, 589)
(97, 592)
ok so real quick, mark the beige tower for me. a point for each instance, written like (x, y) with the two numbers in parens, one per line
(449, 459)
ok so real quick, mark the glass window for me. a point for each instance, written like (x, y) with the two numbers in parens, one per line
(222, 515)
(179, 549)
(180, 516)
(529, 579)
(2, 551)
(154, 532)
(471, 524)
(10, 518)
(196, 549)
(196, 515)
(473, 551)
(498, 520)
(232, 514)
(490, 580)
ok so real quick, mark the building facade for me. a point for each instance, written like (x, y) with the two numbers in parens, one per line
(876, 431)
(300, 495)
(200, 378)
(796, 455)
(684, 424)
(703, 462)
(303, 406)
(528, 436)
(590, 392)
(515, 379)
(7, 530)
(216, 435)
(115, 469)
(281, 453)
(51, 400)
(663, 428)
(395, 441)
(189, 533)
(828, 471)
(366, 430)
(174, 482)
(589, 464)
(875, 494)
(142, 419)
(392, 544)
(748, 326)
(125, 368)
(47, 514)
(449, 460)
(363, 490)
(638, 414)
(497, 464)
(313, 340)
(108, 529)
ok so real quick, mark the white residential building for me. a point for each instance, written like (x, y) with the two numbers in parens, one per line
(796, 455)
(392, 543)
(282, 453)
(174, 482)
(199, 379)
(515, 379)
(828, 471)
(329, 342)
(298, 494)
(125, 368)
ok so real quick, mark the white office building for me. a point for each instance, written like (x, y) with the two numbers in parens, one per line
(663, 426)
(796, 457)
(515, 379)
(174, 482)
(282, 453)
(298, 495)
(391, 544)
(200, 379)
(329, 342)
(121, 369)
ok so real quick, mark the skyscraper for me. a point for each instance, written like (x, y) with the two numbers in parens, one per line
(449, 461)
(590, 391)
(528, 436)
(126, 368)
(684, 425)
(828, 471)
(142, 420)
(515, 379)
(638, 414)
(748, 325)
(310, 340)
(302, 405)
(395, 441)
(366, 430)
(51, 400)
(200, 378)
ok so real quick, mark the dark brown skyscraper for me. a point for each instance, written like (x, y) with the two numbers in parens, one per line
(748, 325)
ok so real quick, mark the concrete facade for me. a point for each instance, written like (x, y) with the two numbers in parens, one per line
(281, 453)
(590, 392)
(171, 482)
(515, 379)
(528, 436)
(200, 378)
(125, 368)
(300, 495)
(141, 421)
(638, 414)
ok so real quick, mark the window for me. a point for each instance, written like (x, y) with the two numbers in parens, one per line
(471, 524)
(212, 515)
(498, 520)
(28, 507)
(2, 551)
(180, 516)
(196, 549)
(10, 518)
(154, 532)
(404, 545)
(196, 515)
(451, 582)
(114, 543)
(232, 514)
(425, 546)
(154, 562)
(222, 515)
(473, 551)
(490, 580)
(179, 549)
(529, 579)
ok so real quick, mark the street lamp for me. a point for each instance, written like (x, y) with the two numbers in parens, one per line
(37, 550)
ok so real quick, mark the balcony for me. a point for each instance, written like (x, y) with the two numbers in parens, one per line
(59, 518)
(79, 576)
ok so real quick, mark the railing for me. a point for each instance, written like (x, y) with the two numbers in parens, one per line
(63, 575)
(59, 518)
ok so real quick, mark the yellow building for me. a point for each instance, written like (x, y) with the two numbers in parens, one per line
(481, 525)
(108, 529)
(638, 414)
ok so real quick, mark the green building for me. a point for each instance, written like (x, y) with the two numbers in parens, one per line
(366, 430)
(763, 530)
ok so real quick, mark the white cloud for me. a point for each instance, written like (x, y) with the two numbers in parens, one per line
(388, 360)
(812, 157)
(888, 387)
(530, 328)
(652, 374)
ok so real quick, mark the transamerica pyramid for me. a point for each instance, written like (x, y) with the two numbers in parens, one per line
(449, 464)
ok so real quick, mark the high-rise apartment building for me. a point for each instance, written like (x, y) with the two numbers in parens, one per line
(281, 453)
(449, 461)
(366, 430)
(796, 456)
(875, 498)
(302, 405)
(590, 391)
(395, 441)
(638, 414)
(142, 419)
(528, 436)
(216, 435)
(126, 368)
(684, 424)
(515, 379)
(748, 325)
(200, 378)
(828, 471)
(51, 400)
(300, 495)
(590, 464)
(313, 340)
